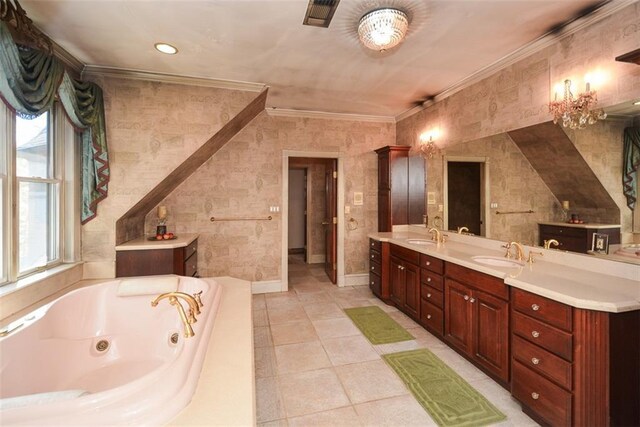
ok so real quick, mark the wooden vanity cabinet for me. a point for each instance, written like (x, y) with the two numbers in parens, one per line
(404, 280)
(572, 366)
(476, 319)
(432, 294)
(150, 262)
(401, 187)
(379, 269)
(575, 238)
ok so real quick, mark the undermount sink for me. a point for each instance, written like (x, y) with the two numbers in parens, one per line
(497, 261)
(421, 241)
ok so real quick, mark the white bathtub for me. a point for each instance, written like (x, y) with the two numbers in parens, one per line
(56, 376)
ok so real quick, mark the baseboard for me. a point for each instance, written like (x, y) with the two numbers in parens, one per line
(99, 270)
(316, 259)
(356, 279)
(266, 286)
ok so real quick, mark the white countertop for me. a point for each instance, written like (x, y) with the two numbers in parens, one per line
(577, 287)
(143, 243)
(585, 225)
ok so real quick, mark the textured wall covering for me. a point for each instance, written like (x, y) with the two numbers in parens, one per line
(514, 186)
(245, 178)
(151, 129)
(517, 96)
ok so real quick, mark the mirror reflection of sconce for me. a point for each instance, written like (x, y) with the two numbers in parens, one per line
(427, 146)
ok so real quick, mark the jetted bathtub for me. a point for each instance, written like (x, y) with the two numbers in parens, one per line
(55, 370)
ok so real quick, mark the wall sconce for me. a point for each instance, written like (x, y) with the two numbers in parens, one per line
(576, 113)
(427, 147)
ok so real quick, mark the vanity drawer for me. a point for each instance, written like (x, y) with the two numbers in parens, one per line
(375, 256)
(549, 311)
(432, 295)
(547, 400)
(547, 337)
(191, 265)
(483, 282)
(431, 279)
(406, 254)
(430, 263)
(375, 245)
(375, 284)
(432, 317)
(542, 362)
(375, 268)
(190, 250)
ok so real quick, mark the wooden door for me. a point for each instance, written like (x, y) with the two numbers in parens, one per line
(397, 282)
(491, 333)
(412, 289)
(331, 220)
(458, 316)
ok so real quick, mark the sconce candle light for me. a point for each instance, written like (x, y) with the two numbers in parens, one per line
(427, 147)
(576, 113)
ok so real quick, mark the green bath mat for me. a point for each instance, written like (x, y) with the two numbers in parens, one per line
(377, 326)
(449, 399)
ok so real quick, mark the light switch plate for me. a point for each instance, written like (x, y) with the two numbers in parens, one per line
(347, 209)
(431, 198)
(358, 199)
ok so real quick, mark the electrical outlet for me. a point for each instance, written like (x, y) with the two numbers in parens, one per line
(440, 208)
(347, 209)
(494, 205)
(431, 198)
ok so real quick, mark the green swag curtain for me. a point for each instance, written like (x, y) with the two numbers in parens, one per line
(631, 164)
(29, 82)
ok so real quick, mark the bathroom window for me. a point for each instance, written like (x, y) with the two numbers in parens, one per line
(34, 190)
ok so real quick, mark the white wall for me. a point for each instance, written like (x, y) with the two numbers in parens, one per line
(297, 205)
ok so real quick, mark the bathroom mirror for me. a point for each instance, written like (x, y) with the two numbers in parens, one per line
(512, 195)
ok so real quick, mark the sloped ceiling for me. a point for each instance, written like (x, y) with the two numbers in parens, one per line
(561, 166)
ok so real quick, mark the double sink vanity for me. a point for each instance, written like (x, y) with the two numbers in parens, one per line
(561, 332)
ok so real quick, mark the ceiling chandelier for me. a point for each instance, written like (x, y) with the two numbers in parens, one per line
(383, 29)
(576, 113)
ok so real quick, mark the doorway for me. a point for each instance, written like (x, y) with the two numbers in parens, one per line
(312, 219)
(327, 256)
(466, 194)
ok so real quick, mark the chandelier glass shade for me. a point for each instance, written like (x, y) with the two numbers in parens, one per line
(383, 29)
(576, 113)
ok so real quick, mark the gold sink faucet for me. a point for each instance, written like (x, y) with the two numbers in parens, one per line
(437, 236)
(462, 230)
(519, 250)
(548, 243)
(194, 308)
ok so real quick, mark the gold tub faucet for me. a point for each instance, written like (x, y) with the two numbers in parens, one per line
(462, 230)
(548, 243)
(193, 309)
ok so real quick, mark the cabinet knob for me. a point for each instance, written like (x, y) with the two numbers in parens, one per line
(428, 316)
(535, 395)
(373, 244)
(373, 268)
(535, 307)
(472, 300)
(466, 297)
(428, 295)
(428, 279)
(372, 257)
(535, 360)
(535, 334)
(428, 263)
(371, 283)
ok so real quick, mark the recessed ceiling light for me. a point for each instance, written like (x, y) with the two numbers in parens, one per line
(636, 103)
(166, 48)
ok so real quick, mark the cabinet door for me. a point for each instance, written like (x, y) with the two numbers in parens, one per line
(397, 282)
(457, 315)
(491, 333)
(412, 289)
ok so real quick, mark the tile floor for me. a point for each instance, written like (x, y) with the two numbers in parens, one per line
(315, 368)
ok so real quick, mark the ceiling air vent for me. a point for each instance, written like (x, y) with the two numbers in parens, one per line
(320, 12)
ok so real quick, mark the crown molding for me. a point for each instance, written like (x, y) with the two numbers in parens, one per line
(542, 42)
(70, 61)
(124, 73)
(284, 112)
